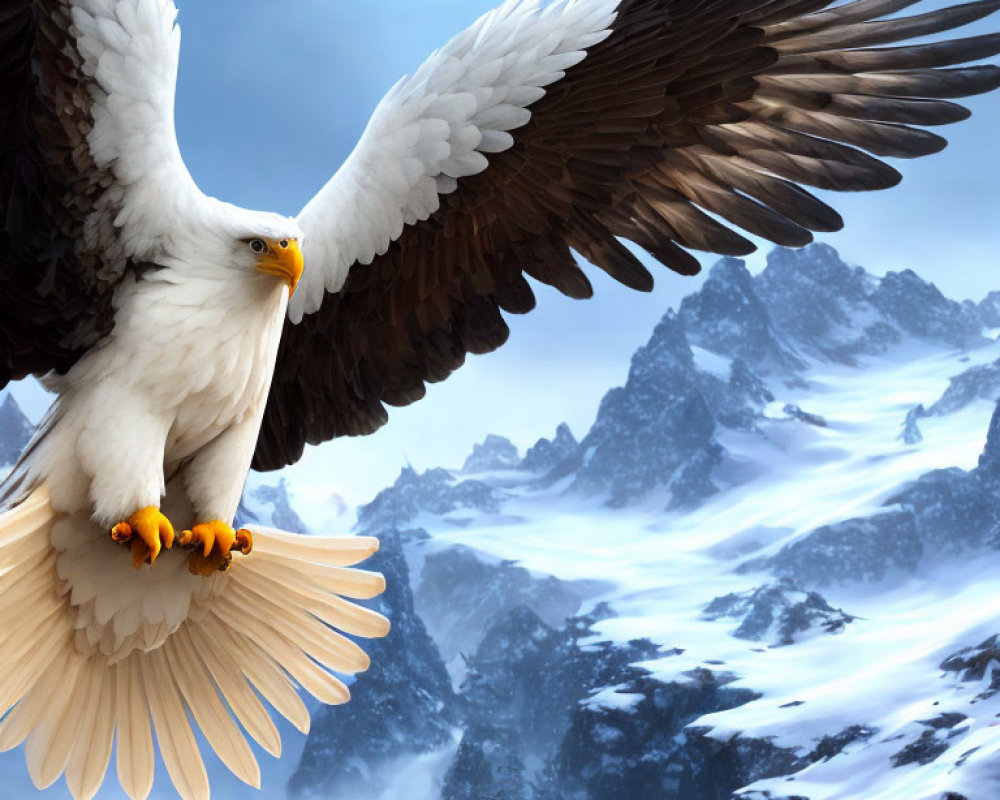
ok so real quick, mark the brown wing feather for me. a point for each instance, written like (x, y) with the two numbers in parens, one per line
(55, 294)
(691, 106)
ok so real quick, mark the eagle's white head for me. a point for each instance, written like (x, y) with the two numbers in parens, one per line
(228, 239)
(269, 244)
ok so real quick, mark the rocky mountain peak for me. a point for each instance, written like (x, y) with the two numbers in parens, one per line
(726, 316)
(15, 431)
(657, 431)
(919, 308)
(403, 706)
(667, 351)
(819, 265)
(547, 454)
(435, 491)
(822, 303)
(495, 453)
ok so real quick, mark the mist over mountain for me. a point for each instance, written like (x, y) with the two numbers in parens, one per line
(766, 572)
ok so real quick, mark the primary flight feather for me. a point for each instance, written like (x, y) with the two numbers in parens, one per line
(186, 338)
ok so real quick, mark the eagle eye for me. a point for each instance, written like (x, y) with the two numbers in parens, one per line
(258, 246)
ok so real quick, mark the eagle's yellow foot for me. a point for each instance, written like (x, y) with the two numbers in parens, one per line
(148, 531)
(214, 542)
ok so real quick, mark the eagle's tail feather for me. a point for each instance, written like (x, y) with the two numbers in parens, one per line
(266, 629)
(135, 755)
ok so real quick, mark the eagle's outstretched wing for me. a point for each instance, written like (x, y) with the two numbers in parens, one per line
(91, 175)
(542, 131)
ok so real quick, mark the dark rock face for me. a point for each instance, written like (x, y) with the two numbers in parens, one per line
(403, 705)
(495, 453)
(528, 679)
(646, 750)
(15, 431)
(924, 750)
(779, 614)
(578, 721)
(728, 317)
(459, 591)
(547, 454)
(953, 509)
(656, 431)
(795, 412)
(956, 510)
(977, 383)
(988, 469)
(487, 765)
(865, 549)
(830, 746)
(976, 663)
(435, 491)
(918, 308)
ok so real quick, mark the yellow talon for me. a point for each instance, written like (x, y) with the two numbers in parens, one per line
(244, 541)
(149, 531)
(214, 543)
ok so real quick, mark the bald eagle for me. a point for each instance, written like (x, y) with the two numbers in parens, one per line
(187, 339)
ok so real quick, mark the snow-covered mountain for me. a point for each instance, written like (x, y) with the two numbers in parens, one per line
(767, 571)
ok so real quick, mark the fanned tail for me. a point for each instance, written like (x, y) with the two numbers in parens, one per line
(266, 631)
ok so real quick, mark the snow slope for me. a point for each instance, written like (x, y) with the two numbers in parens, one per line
(882, 671)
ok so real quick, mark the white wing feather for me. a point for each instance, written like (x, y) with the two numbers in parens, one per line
(434, 128)
(72, 678)
(130, 49)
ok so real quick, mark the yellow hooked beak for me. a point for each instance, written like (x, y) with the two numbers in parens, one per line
(282, 259)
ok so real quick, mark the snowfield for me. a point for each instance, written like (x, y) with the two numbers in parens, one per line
(882, 671)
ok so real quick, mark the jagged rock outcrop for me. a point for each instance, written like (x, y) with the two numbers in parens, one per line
(530, 678)
(778, 613)
(953, 509)
(495, 453)
(435, 491)
(989, 310)
(918, 308)
(402, 706)
(956, 510)
(488, 764)
(547, 454)
(823, 304)
(645, 748)
(862, 549)
(988, 468)
(726, 316)
(656, 432)
(977, 383)
(911, 425)
(15, 431)
(795, 412)
(459, 590)
(978, 664)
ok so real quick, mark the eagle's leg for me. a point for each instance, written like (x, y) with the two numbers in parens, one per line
(149, 531)
(214, 542)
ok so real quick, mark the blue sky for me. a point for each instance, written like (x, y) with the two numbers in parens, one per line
(273, 96)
